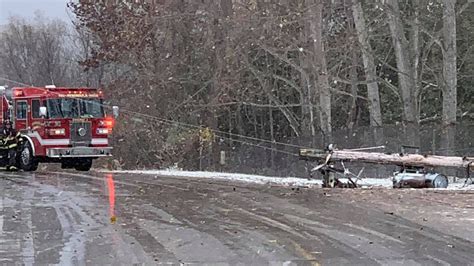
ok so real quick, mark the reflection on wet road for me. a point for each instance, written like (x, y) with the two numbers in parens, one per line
(111, 193)
(52, 219)
(73, 218)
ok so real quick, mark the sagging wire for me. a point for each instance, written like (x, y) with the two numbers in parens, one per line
(186, 125)
(469, 148)
(189, 125)
(223, 134)
(217, 131)
(173, 123)
(16, 82)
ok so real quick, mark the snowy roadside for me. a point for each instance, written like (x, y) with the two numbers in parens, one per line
(246, 178)
(262, 180)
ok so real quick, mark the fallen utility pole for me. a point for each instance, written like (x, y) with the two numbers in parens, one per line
(412, 171)
(400, 159)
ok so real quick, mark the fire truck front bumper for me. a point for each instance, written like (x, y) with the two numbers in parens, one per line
(91, 152)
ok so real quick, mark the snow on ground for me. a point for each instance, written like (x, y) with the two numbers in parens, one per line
(262, 180)
(460, 185)
(254, 179)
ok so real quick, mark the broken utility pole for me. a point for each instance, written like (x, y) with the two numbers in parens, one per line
(400, 159)
(411, 174)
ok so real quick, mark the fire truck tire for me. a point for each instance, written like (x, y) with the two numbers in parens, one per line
(67, 165)
(84, 165)
(27, 160)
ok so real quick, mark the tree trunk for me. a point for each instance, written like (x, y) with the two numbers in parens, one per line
(449, 62)
(272, 137)
(224, 10)
(351, 120)
(415, 50)
(369, 65)
(307, 98)
(448, 136)
(405, 70)
(319, 59)
(307, 92)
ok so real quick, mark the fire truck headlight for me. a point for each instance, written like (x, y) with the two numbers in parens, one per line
(103, 131)
(57, 131)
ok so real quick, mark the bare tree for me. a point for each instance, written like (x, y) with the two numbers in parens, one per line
(404, 66)
(369, 64)
(449, 62)
(449, 87)
(277, 70)
(35, 52)
(320, 65)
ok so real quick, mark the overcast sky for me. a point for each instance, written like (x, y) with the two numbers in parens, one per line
(26, 8)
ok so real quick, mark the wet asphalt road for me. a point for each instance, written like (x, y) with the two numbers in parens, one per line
(97, 219)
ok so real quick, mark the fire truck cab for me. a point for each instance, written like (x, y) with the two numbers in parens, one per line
(59, 125)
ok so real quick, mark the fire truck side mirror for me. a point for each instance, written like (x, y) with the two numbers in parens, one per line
(42, 111)
(115, 111)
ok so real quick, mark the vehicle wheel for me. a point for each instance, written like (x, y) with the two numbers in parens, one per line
(84, 165)
(67, 165)
(27, 160)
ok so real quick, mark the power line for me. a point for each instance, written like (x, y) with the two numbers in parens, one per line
(222, 134)
(245, 142)
(454, 149)
(217, 131)
(17, 82)
(172, 122)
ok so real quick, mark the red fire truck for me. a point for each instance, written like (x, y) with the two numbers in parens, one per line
(61, 125)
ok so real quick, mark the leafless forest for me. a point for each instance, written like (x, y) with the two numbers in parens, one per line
(259, 78)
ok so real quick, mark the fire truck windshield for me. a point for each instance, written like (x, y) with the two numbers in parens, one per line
(75, 108)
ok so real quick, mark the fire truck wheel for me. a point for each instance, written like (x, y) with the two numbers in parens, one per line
(84, 165)
(27, 160)
(67, 165)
